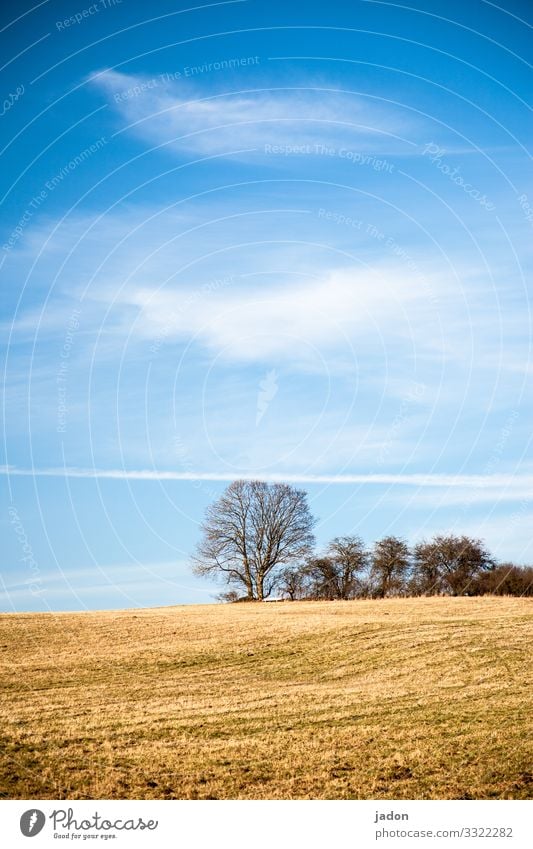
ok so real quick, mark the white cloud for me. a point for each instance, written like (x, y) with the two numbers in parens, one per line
(247, 302)
(191, 117)
(340, 310)
(199, 313)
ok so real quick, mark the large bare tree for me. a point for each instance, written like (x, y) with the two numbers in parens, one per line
(252, 533)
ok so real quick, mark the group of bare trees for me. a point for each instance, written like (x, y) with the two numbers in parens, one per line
(445, 565)
(258, 538)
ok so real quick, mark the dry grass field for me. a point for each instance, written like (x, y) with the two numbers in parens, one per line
(405, 699)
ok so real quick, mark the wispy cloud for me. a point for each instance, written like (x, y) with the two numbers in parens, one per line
(195, 307)
(192, 117)
(342, 307)
(133, 582)
(145, 276)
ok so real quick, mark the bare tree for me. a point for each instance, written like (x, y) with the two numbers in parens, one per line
(450, 565)
(294, 583)
(252, 532)
(390, 565)
(337, 574)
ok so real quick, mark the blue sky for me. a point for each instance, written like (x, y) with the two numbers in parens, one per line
(259, 239)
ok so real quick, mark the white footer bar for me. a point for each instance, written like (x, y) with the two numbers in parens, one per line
(268, 824)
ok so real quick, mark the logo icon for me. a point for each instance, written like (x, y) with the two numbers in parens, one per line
(268, 389)
(32, 822)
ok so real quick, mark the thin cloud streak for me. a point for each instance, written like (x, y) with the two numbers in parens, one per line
(415, 479)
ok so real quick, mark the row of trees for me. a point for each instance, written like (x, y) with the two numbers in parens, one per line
(259, 538)
(445, 565)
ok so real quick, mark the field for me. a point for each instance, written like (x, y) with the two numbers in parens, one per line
(404, 699)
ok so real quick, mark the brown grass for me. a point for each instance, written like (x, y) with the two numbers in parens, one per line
(405, 699)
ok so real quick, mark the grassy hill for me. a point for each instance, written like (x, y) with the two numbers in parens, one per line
(408, 698)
